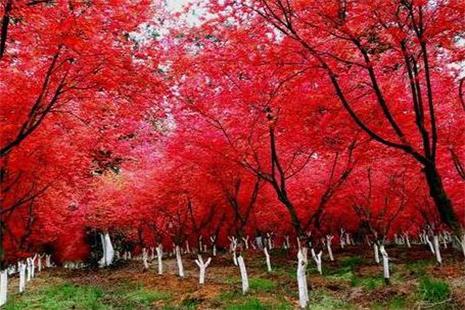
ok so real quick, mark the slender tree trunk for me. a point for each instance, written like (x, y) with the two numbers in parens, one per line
(376, 250)
(430, 244)
(386, 272)
(268, 260)
(202, 267)
(244, 277)
(160, 258)
(329, 240)
(437, 249)
(3, 287)
(179, 261)
(22, 277)
(302, 262)
(145, 258)
(317, 259)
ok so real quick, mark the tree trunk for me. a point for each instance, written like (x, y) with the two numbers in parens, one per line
(267, 257)
(437, 249)
(48, 260)
(386, 273)
(202, 267)
(441, 200)
(22, 277)
(145, 258)
(179, 262)
(244, 278)
(160, 258)
(317, 259)
(302, 262)
(329, 240)
(376, 250)
(3, 286)
(430, 244)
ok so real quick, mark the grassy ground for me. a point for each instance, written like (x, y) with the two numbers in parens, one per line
(352, 282)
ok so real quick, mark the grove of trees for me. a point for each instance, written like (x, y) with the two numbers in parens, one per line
(303, 124)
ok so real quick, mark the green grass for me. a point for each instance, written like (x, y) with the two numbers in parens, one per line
(251, 303)
(58, 297)
(369, 283)
(396, 303)
(87, 297)
(190, 303)
(433, 291)
(343, 275)
(351, 262)
(261, 285)
(320, 300)
(418, 268)
(346, 271)
(228, 296)
(287, 270)
(141, 297)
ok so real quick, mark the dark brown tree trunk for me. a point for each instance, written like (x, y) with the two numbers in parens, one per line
(294, 217)
(441, 200)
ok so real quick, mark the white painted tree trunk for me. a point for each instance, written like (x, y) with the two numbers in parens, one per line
(28, 270)
(407, 240)
(317, 259)
(3, 287)
(108, 251)
(152, 253)
(244, 278)
(444, 241)
(302, 262)
(342, 240)
(268, 260)
(269, 241)
(213, 241)
(48, 260)
(461, 242)
(287, 244)
(22, 277)
(376, 251)
(385, 256)
(437, 249)
(145, 258)
(188, 249)
(430, 244)
(233, 247)
(33, 266)
(200, 244)
(39, 263)
(246, 242)
(202, 267)
(329, 241)
(179, 261)
(160, 258)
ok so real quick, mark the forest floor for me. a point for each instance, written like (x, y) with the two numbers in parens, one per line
(351, 282)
